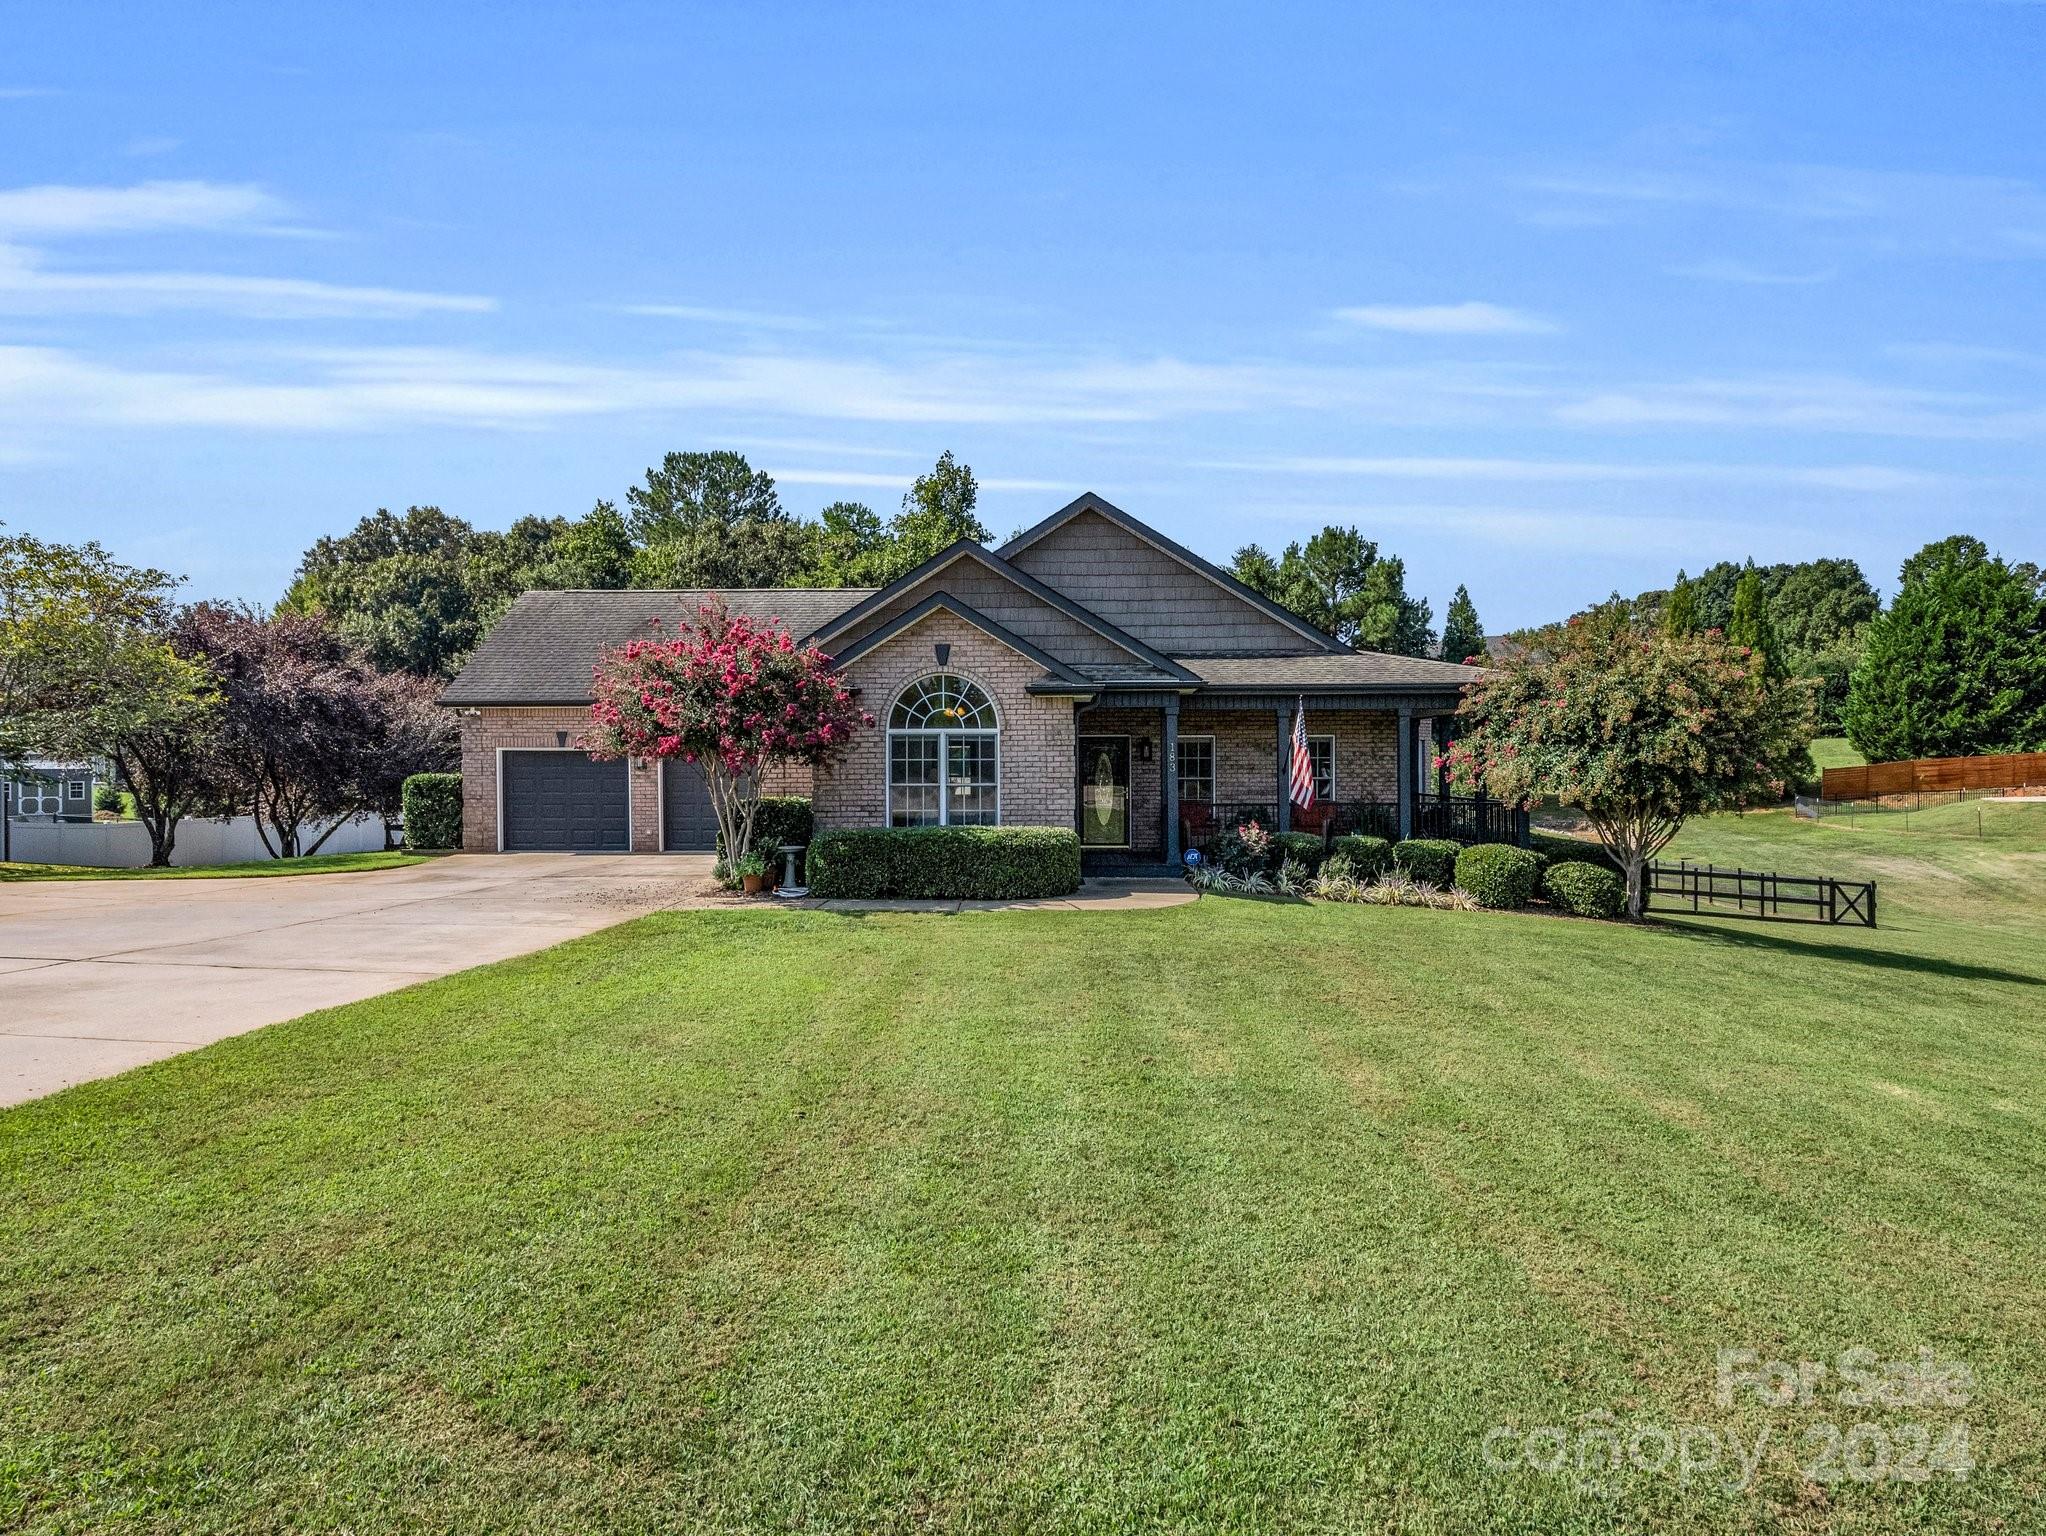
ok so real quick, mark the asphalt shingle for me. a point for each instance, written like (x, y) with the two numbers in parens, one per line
(545, 647)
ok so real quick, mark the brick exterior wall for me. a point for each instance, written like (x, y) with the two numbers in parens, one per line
(496, 726)
(1037, 747)
(491, 728)
(1036, 733)
(1246, 742)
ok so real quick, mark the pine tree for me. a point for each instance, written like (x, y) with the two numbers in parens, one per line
(1463, 637)
(1957, 666)
(1751, 625)
(1680, 612)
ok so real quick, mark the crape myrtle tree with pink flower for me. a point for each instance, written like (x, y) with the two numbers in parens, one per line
(1638, 729)
(735, 697)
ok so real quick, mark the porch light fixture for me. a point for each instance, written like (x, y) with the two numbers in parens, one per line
(1143, 749)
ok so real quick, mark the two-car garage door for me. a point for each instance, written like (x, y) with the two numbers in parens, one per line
(561, 802)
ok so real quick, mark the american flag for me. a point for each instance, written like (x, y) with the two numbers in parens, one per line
(1303, 768)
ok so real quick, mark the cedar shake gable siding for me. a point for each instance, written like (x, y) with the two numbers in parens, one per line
(1159, 591)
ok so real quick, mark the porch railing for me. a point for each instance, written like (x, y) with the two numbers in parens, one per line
(1455, 817)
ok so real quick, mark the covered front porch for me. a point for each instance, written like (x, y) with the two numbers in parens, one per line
(1158, 772)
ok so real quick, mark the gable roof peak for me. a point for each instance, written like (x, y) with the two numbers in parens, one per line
(1100, 506)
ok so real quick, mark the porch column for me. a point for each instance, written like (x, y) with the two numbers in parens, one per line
(1168, 773)
(1408, 749)
(1283, 804)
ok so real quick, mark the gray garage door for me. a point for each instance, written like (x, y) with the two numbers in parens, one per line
(561, 802)
(688, 824)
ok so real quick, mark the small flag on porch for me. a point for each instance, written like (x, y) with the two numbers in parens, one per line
(1303, 766)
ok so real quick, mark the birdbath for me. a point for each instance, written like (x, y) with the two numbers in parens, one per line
(788, 886)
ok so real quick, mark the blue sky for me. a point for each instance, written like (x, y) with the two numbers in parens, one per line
(1549, 299)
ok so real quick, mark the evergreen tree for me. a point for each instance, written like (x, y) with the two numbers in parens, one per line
(1680, 611)
(1338, 582)
(1957, 667)
(1463, 637)
(1751, 625)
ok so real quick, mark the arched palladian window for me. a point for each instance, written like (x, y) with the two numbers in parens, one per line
(944, 755)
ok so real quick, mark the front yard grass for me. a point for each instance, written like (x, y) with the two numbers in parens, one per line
(259, 869)
(1233, 1215)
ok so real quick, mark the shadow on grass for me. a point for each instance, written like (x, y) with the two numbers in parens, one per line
(1787, 943)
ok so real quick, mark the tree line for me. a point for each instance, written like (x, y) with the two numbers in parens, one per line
(207, 708)
(417, 590)
(1954, 666)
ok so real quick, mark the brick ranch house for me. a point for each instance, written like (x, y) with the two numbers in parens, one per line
(1090, 673)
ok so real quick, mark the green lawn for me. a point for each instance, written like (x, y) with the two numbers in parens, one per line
(1236, 1215)
(1836, 752)
(317, 864)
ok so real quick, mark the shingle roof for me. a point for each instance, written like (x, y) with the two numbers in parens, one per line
(1347, 669)
(544, 648)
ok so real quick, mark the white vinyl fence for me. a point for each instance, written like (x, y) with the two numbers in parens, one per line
(125, 844)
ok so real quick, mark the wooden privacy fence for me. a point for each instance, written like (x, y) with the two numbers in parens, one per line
(1752, 893)
(1925, 775)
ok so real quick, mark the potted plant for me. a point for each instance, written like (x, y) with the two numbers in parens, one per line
(752, 872)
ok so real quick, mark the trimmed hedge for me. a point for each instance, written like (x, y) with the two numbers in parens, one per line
(780, 819)
(1303, 846)
(1432, 859)
(945, 863)
(1370, 856)
(1588, 890)
(1498, 874)
(1558, 849)
(431, 804)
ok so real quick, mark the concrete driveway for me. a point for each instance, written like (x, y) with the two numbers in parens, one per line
(97, 976)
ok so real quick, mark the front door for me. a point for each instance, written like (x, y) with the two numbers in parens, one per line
(1104, 785)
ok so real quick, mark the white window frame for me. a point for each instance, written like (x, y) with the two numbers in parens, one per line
(1331, 740)
(76, 789)
(944, 738)
(1214, 767)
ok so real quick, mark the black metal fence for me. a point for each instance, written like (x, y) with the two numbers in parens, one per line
(1706, 888)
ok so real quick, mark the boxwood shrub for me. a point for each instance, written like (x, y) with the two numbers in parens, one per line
(1432, 859)
(1305, 847)
(431, 804)
(780, 819)
(1369, 856)
(1498, 874)
(945, 863)
(1558, 849)
(1589, 890)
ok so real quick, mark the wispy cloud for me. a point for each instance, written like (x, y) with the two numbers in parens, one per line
(1884, 212)
(746, 319)
(1966, 354)
(1743, 272)
(1822, 403)
(370, 387)
(55, 211)
(27, 92)
(872, 479)
(1472, 318)
(1838, 477)
(26, 287)
(151, 145)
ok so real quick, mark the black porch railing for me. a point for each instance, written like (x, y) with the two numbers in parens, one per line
(1446, 816)
(1470, 821)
